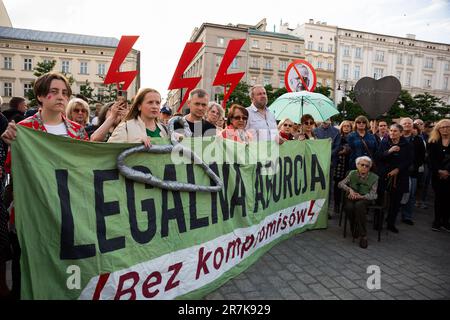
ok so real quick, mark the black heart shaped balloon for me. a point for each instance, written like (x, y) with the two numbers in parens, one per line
(376, 97)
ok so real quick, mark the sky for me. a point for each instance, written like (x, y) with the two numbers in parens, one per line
(164, 27)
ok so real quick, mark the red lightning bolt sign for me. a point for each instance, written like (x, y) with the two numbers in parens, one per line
(222, 77)
(178, 82)
(114, 76)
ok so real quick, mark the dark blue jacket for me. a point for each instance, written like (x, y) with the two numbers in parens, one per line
(386, 162)
(358, 148)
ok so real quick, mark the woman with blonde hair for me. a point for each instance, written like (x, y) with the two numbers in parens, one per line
(361, 141)
(342, 163)
(286, 129)
(142, 121)
(77, 110)
(439, 159)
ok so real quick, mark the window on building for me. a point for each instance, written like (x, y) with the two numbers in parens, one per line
(235, 64)
(447, 66)
(255, 62)
(27, 87)
(445, 85)
(358, 53)
(27, 64)
(427, 82)
(330, 48)
(346, 51)
(320, 47)
(330, 66)
(399, 75)
(429, 62)
(7, 89)
(267, 80)
(220, 42)
(379, 56)
(357, 72)
(319, 64)
(399, 58)
(65, 66)
(253, 80)
(268, 64)
(297, 49)
(310, 45)
(284, 47)
(83, 68)
(7, 63)
(283, 65)
(218, 59)
(378, 73)
(410, 60)
(345, 71)
(268, 45)
(101, 69)
(255, 44)
(408, 78)
(281, 83)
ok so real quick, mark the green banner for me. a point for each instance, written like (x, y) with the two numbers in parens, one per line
(86, 232)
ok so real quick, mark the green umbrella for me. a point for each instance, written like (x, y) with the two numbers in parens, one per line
(294, 105)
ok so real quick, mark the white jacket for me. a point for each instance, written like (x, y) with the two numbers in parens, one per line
(133, 131)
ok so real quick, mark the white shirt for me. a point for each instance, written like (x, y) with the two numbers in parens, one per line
(263, 128)
(58, 130)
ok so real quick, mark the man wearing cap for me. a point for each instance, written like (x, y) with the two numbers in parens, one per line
(165, 115)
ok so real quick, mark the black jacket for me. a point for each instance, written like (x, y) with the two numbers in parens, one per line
(386, 162)
(419, 155)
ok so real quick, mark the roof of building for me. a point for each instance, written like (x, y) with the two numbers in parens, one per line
(273, 34)
(57, 37)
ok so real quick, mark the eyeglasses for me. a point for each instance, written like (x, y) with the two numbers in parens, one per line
(364, 165)
(79, 110)
(287, 125)
(239, 118)
(308, 123)
(446, 127)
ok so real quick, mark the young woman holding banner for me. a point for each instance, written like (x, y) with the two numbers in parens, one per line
(142, 121)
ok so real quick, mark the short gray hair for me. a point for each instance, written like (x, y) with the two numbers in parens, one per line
(364, 158)
(253, 89)
(213, 104)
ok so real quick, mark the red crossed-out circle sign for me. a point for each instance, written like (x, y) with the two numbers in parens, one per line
(300, 75)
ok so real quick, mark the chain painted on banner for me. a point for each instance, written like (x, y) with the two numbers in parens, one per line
(149, 179)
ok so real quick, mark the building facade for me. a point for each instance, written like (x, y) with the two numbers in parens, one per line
(270, 54)
(320, 48)
(264, 57)
(421, 66)
(85, 58)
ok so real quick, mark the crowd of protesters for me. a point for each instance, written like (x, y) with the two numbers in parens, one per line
(369, 160)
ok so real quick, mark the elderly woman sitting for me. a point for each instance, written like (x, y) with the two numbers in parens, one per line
(361, 187)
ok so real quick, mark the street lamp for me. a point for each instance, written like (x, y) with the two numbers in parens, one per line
(344, 90)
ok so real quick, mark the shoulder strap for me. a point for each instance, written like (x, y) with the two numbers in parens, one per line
(365, 146)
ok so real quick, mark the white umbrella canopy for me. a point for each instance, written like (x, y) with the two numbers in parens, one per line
(294, 105)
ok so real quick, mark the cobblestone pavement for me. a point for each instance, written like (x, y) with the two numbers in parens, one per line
(321, 264)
